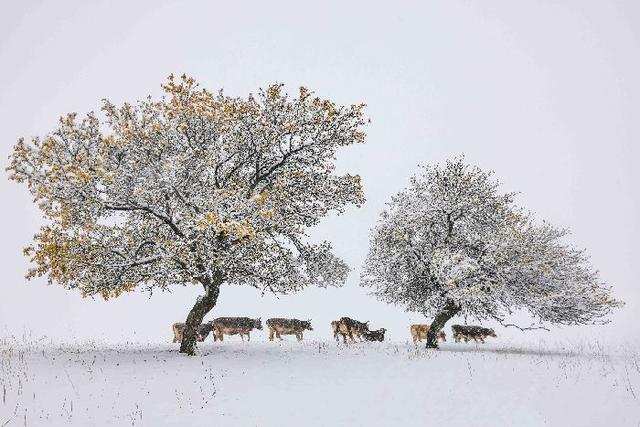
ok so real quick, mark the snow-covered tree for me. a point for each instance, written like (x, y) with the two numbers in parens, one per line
(453, 244)
(196, 188)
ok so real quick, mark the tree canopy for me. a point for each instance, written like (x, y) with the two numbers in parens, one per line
(196, 187)
(452, 243)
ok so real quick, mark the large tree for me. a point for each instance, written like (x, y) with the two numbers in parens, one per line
(453, 244)
(196, 187)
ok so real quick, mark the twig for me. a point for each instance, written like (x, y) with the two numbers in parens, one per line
(530, 328)
(71, 382)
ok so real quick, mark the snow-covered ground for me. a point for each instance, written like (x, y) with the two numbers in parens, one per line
(319, 384)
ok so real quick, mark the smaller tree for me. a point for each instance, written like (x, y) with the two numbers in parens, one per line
(452, 244)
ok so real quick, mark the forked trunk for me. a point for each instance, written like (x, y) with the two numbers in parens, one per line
(450, 309)
(204, 304)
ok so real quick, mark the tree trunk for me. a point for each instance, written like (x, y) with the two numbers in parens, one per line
(450, 309)
(204, 304)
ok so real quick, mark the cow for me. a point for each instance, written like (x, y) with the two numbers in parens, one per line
(279, 326)
(234, 326)
(375, 335)
(470, 332)
(420, 331)
(350, 327)
(202, 332)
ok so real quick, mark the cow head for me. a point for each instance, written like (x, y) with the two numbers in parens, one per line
(492, 333)
(257, 323)
(442, 336)
(307, 325)
(203, 331)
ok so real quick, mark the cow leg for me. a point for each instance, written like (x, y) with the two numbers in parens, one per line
(299, 336)
(278, 335)
(270, 334)
(248, 336)
(177, 336)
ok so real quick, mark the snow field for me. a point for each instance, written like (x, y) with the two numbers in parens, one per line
(318, 383)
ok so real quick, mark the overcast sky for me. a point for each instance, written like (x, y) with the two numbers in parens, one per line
(546, 93)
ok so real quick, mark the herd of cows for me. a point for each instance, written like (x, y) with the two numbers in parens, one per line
(345, 327)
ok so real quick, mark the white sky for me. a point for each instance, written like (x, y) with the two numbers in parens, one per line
(546, 93)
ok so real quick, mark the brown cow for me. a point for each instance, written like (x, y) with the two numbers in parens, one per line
(203, 331)
(350, 327)
(280, 326)
(420, 331)
(234, 326)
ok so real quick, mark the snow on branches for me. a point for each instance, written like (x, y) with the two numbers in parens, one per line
(452, 241)
(194, 187)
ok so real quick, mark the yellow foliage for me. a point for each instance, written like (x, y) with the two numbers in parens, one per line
(261, 198)
(211, 218)
(267, 213)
